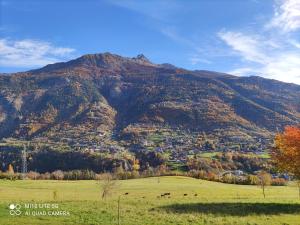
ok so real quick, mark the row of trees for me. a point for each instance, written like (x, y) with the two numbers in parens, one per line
(229, 161)
(119, 173)
(234, 179)
(49, 160)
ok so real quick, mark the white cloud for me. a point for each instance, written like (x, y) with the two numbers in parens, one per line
(245, 45)
(30, 53)
(243, 71)
(287, 15)
(295, 43)
(273, 53)
(282, 63)
(284, 67)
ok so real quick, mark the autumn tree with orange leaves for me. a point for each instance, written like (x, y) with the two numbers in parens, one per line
(286, 153)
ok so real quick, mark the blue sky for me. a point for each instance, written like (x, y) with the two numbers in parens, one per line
(241, 37)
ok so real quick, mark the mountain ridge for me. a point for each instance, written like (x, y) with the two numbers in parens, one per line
(108, 93)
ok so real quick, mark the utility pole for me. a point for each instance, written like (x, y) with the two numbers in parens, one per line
(24, 162)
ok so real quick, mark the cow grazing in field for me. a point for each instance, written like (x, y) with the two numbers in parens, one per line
(185, 194)
(165, 194)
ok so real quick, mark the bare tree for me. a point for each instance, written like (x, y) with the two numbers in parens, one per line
(108, 185)
(264, 180)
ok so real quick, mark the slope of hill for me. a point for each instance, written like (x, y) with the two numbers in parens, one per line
(106, 95)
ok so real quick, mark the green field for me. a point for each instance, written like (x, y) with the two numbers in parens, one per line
(215, 203)
(210, 154)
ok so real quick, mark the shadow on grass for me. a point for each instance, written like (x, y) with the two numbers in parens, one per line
(234, 209)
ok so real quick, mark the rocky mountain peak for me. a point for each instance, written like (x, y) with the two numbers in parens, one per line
(141, 57)
(105, 60)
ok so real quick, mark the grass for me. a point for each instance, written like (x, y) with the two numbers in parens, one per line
(215, 203)
(208, 154)
(177, 166)
(264, 155)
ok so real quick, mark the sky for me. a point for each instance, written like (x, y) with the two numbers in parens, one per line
(240, 37)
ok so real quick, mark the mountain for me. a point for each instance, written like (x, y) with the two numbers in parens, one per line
(107, 98)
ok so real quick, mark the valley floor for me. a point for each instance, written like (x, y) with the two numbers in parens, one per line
(191, 201)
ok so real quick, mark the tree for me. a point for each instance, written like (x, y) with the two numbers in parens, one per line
(33, 175)
(136, 165)
(119, 171)
(58, 175)
(108, 185)
(264, 180)
(286, 154)
(252, 179)
(10, 171)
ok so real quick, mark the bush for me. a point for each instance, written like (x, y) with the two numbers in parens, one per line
(279, 182)
(57, 175)
(252, 179)
(104, 176)
(45, 176)
(229, 178)
(10, 176)
(79, 175)
(33, 175)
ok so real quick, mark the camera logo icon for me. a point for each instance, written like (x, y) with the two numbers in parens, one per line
(15, 209)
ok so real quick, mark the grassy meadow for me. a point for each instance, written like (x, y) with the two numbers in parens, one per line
(215, 203)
